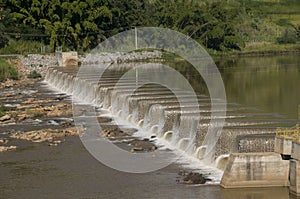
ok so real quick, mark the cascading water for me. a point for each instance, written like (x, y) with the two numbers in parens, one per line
(154, 117)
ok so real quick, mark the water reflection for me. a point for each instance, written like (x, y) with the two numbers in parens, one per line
(270, 84)
(256, 193)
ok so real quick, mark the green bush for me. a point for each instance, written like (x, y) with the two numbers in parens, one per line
(34, 74)
(8, 71)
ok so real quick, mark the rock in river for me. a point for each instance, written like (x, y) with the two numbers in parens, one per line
(195, 178)
(7, 148)
(5, 118)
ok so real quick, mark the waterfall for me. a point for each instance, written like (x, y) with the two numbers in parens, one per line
(152, 107)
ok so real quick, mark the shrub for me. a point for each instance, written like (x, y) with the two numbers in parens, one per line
(233, 42)
(34, 74)
(289, 37)
(8, 71)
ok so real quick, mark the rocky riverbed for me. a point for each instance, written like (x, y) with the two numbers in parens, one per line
(31, 113)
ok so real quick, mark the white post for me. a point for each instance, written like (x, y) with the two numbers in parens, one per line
(136, 47)
(136, 41)
(136, 77)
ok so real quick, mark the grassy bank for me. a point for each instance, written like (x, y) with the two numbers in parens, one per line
(8, 71)
(23, 47)
(260, 49)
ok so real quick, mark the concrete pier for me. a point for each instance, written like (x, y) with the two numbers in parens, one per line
(295, 177)
(291, 148)
(255, 170)
(67, 58)
(295, 169)
(295, 152)
(283, 146)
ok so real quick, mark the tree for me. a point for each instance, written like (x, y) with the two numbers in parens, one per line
(3, 37)
(82, 24)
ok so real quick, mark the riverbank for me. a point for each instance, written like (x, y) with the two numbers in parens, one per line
(260, 49)
(39, 63)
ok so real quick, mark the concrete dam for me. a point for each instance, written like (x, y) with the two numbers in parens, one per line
(185, 124)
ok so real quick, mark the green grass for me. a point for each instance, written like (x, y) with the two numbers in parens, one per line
(272, 47)
(275, 6)
(34, 113)
(3, 110)
(21, 47)
(285, 19)
(261, 48)
(8, 71)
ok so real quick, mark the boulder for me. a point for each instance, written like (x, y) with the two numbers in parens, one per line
(143, 145)
(104, 119)
(5, 118)
(7, 148)
(3, 141)
(194, 178)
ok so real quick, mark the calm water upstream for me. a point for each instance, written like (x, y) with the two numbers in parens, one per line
(271, 84)
(268, 83)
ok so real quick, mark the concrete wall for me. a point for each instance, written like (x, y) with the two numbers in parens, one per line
(295, 177)
(296, 150)
(255, 170)
(283, 146)
(241, 140)
(256, 144)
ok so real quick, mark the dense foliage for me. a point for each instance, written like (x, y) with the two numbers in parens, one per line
(82, 24)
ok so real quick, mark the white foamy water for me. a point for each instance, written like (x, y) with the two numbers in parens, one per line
(186, 160)
(152, 122)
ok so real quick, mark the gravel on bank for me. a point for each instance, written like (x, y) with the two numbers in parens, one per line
(36, 62)
(40, 63)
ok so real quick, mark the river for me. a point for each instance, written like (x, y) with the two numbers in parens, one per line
(266, 84)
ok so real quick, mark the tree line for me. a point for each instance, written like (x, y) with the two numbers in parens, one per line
(82, 24)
